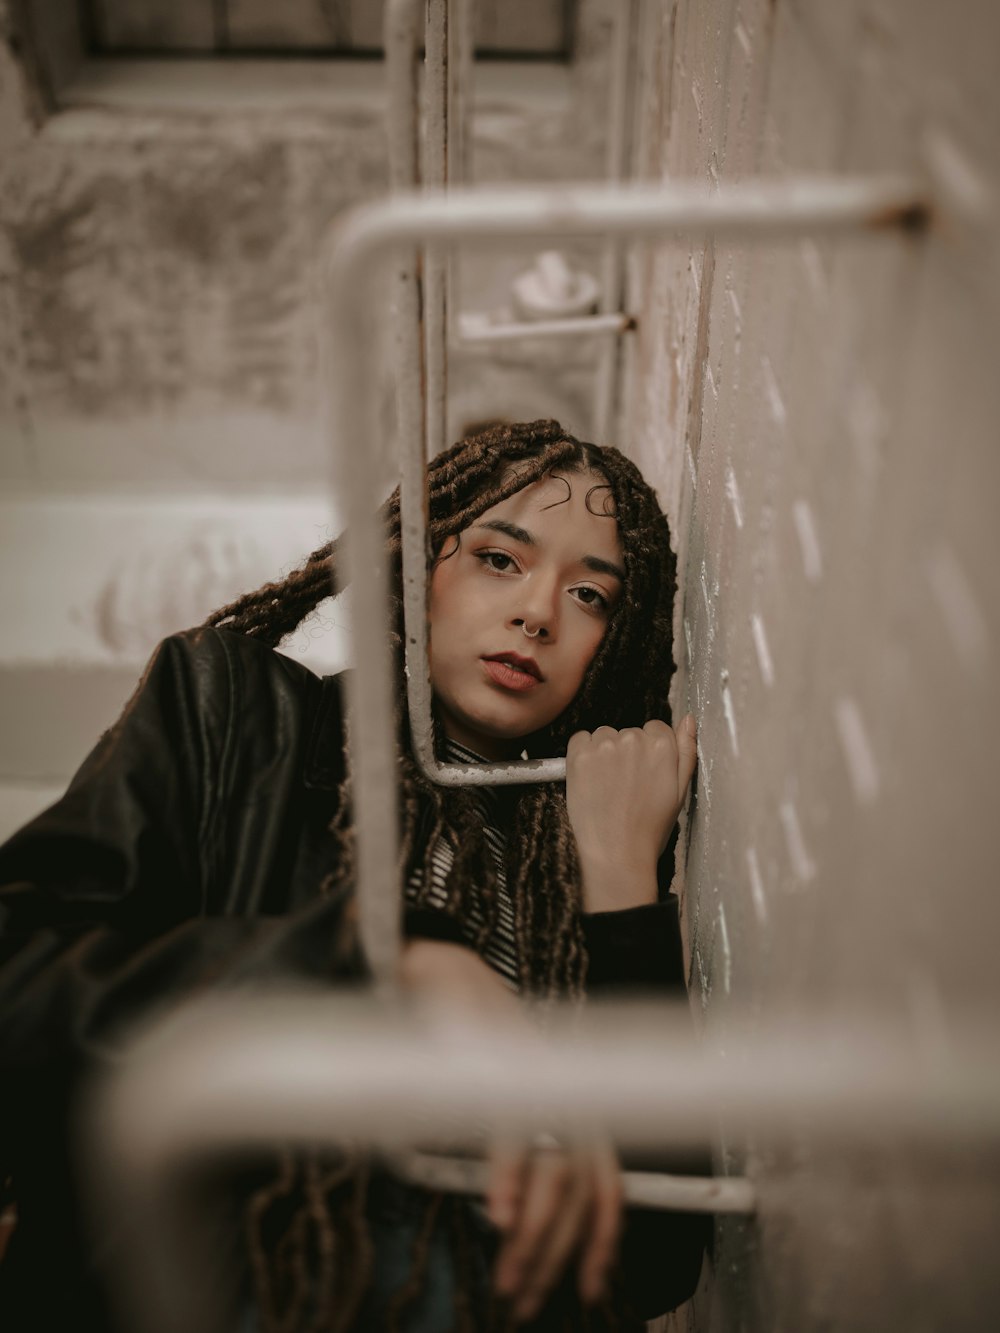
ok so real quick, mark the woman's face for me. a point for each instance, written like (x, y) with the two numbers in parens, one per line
(518, 608)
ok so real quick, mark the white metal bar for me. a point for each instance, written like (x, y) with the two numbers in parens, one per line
(645, 1189)
(361, 239)
(461, 67)
(403, 26)
(616, 162)
(583, 326)
(436, 149)
(461, 64)
(252, 1070)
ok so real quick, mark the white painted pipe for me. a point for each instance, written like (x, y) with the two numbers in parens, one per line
(227, 1075)
(360, 240)
(321, 1067)
(613, 259)
(461, 71)
(437, 104)
(403, 26)
(645, 1189)
(582, 326)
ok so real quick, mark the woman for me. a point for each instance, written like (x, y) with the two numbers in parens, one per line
(207, 840)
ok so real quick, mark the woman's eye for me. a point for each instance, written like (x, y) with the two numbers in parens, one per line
(592, 598)
(496, 560)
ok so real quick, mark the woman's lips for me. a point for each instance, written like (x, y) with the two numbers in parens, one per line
(510, 677)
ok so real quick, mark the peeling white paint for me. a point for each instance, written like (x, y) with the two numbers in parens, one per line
(756, 886)
(729, 714)
(727, 953)
(706, 595)
(696, 97)
(963, 189)
(704, 770)
(959, 606)
(798, 854)
(734, 301)
(760, 644)
(733, 495)
(861, 764)
(774, 399)
(704, 987)
(805, 527)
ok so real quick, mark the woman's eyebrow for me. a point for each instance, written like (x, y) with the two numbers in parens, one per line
(600, 566)
(510, 530)
(522, 535)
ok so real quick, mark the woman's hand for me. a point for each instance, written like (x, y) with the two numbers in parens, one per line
(551, 1204)
(624, 791)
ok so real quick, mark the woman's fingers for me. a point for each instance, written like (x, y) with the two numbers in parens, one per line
(570, 1204)
(555, 1245)
(601, 1243)
(508, 1167)
(531, 1253)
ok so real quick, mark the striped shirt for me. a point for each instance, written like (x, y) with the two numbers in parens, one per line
(501, 947)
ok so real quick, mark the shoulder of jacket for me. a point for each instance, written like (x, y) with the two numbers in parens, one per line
(235, 678)
(206, 647)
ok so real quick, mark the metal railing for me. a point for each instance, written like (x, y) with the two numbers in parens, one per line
(260, 1070)
(359, 244)
(422, 347)
(308, 1070)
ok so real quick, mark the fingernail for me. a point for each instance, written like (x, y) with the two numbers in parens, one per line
(690, 725)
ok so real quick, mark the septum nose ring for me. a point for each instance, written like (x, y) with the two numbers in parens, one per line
(530, 634)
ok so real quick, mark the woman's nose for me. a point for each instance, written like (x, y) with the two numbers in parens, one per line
(536, 613)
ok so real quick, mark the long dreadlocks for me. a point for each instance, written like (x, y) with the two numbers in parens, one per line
(626, 685)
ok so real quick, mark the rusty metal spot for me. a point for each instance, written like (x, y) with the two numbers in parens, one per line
(914, 219)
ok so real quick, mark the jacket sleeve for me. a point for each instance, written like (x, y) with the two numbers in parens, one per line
(638, 949)
(103, 896)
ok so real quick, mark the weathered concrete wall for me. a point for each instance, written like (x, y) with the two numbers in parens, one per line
(160, 226)
(161, 234)
(822, 419)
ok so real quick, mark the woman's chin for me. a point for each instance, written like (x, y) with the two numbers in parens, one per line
(492, 736)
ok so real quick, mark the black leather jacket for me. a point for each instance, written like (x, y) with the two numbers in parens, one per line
(188, 852)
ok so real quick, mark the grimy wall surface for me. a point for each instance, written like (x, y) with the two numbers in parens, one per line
(162, 444)
(162, 224)
(823, 420)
